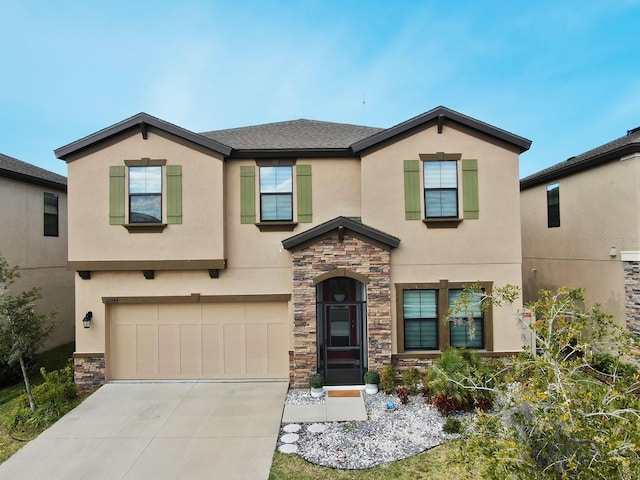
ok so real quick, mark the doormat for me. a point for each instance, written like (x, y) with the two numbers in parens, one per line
(343, 393)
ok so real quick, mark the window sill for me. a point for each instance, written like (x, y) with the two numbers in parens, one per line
(442, 222)
(276, 226)
(145, 227)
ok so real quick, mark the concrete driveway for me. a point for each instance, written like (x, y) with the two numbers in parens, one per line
(154, 431)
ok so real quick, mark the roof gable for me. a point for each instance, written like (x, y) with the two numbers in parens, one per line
(141, 122)
(613, 150)
(440, 116)
(25, 172)
(340, 224)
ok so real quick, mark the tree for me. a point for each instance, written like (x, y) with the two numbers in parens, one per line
(556, 417)
(22, 330)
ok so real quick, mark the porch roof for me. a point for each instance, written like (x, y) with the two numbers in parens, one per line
(340, 224)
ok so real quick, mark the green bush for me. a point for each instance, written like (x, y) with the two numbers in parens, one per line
(53, 398)
(452, 425)
(388, 380)
(411, 378)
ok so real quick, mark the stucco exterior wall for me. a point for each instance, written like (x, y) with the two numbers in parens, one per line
(598, 212)
(42, 261)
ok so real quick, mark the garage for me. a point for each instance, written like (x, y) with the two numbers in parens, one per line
(193, 341)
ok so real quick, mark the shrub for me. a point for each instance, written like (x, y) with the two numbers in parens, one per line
(452, 425)
(388, 379)
(446, 404)
(411, 379)
(316, 381)
(53, 398)
(371, 377)
(425, 392)
(403, 394)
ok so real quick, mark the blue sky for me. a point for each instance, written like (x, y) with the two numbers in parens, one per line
(565, 74)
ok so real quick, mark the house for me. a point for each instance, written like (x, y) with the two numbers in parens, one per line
(280, 250)
(581, 228)
(33, 222)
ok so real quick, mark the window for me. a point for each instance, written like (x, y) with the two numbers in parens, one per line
(420, 311)
(145, 194)
(553, 205)
(461, 333)
(423, 323)
(441, 189)
(152, 186)
(50, 215)
(276, 194)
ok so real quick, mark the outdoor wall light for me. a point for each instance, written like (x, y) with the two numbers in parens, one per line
(613, 252)
(86, 321)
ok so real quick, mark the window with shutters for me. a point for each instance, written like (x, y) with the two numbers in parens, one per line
(424, 322)
(439, 187)
(275, 194)
(145, 194)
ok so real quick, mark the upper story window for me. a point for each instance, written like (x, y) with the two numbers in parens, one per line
(276, 194)
(553, 205)
(50, 215)
(145, 194)
(280, 190)
(441, 189)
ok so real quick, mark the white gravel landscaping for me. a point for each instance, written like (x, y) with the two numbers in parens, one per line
(386, 437)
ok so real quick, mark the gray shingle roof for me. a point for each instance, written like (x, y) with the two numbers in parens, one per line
(293, 135)
(18, 170)
(630, 143)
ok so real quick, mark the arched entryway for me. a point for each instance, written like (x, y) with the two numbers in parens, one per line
(341, 311)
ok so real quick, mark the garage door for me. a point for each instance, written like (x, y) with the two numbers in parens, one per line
(198, 341)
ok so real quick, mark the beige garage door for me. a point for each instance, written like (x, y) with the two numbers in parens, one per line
(198, 341)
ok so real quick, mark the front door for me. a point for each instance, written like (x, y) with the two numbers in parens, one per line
(341, 331)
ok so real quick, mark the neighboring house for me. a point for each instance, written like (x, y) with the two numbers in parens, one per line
(279, 250)
(33, 226)
(581, 228)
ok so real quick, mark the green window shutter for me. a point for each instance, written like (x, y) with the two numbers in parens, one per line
(412, 190)
(116, 195)
(470, 204)
(174, 194)
(303, 184)
(247, 194)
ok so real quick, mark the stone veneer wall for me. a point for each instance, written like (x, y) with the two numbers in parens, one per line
(632, 294)
(355, 255)
(89, 369)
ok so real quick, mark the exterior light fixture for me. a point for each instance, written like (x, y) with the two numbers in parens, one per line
(86, 321)
(613, 252)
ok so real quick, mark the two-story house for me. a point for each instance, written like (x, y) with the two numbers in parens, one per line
(33, 226)
(581, 228)
(279, 250)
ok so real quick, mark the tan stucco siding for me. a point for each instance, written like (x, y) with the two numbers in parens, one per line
(199, 236)
(493, 238)
(42, 260)
(598, 211)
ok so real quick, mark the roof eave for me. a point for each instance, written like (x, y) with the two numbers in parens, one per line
(291, 152)
(439, 114)
(570, 168)
(140, 121)
(21, 177)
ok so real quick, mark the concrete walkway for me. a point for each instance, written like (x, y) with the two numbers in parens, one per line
(156, 431)
(335, 409)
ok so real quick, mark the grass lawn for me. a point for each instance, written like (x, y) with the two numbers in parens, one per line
(434, 464)
(11, 442)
